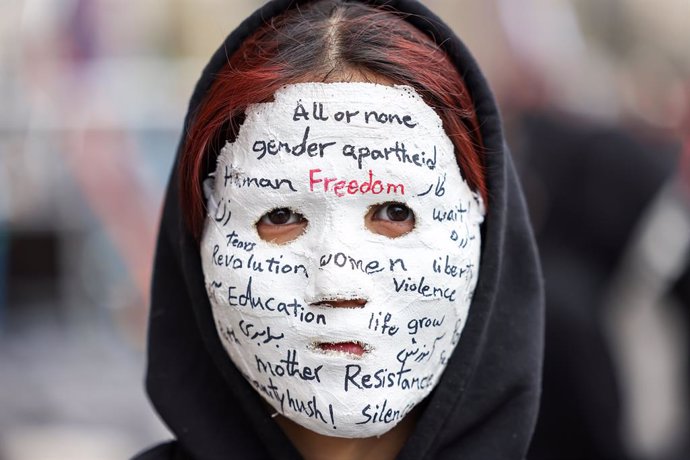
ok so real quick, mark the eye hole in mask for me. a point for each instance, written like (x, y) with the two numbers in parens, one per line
(281, 225)
(392, 219)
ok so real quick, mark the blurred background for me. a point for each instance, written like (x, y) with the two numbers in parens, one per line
(596, 99)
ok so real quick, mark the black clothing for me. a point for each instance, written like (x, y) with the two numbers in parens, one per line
(485, 405)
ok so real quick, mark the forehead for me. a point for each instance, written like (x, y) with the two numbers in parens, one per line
(316, 137)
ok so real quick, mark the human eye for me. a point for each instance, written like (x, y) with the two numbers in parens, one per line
(394, 212)
(390, 219)
(281, 216)
(281, 225)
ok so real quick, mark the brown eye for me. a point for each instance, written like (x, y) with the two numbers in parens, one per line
(396, 212)
(281, 225)
(390, 219)
(281, 216)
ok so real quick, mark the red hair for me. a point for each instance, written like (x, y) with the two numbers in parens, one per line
(327, 40)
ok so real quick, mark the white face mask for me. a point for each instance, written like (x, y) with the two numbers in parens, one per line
(331, 152)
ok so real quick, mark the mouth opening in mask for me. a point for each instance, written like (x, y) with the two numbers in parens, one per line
(340, 303)
(353, 349)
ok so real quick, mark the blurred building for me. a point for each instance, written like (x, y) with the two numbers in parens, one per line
(94, 93)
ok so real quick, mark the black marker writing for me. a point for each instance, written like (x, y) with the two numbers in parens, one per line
(415, 324)
(345, 115)
(446, 267)
(390, 118)
(342, 260)
(449, 215)
(462, 242)
(397, 151)
(394, 262)
(292, 309)
(270, 265)
(310, 407)
(288, 366)
(378, 324)
(383, 378)
(234, 177)
(235, 242)
(227, 333)
(373, 116)
(383, 413)
(222, 214)
(274, 147)
(419, 354)
(263, 334)
(439, 189)
(423, 288)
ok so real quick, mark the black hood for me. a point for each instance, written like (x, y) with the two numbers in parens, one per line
(484, 406)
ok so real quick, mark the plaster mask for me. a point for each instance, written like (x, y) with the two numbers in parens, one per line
(335, 153)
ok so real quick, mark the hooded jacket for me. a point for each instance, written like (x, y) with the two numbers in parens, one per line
(484, 406)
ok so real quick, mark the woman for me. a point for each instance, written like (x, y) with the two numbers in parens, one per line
(324, 286)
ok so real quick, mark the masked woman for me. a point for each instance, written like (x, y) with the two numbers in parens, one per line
(345, 269)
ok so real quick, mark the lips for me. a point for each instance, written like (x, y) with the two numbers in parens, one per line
(357, 349)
